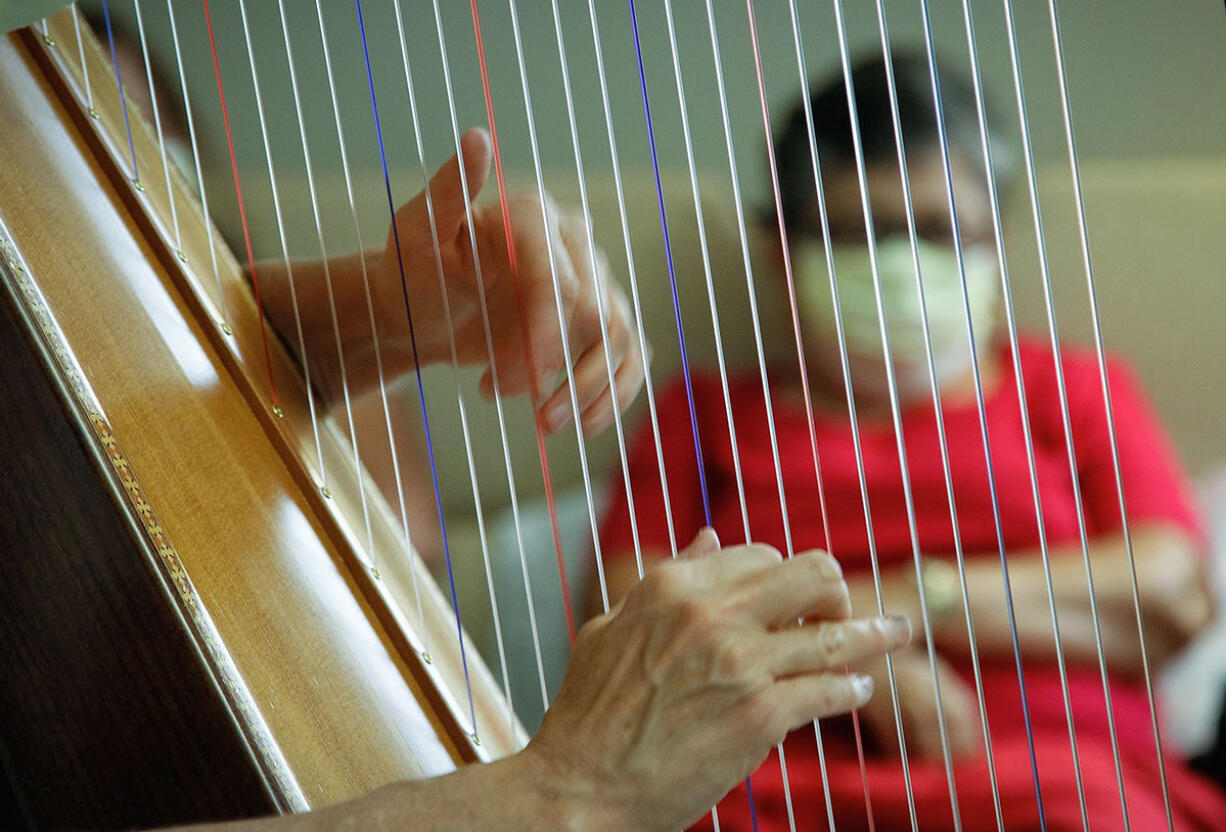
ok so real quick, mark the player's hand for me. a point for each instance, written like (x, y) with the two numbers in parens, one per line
(918, 707)
(682, 690)
(552, 260)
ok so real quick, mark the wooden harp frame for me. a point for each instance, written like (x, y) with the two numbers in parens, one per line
(221, 577)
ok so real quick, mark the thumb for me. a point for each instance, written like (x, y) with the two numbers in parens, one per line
(447, 188)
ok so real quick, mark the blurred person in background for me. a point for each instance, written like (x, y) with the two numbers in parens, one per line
(1167, 540)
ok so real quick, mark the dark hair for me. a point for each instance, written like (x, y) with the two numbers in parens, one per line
(916, 117)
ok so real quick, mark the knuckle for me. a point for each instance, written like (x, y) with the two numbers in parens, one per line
(731, 661)
(833, 697)
(831, 643)
(658, 584)
(764, 554)
(763, 716)
(827, 567)
(692, 616)
(824, 573)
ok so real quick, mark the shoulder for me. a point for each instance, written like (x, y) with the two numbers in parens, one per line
(1079, 363)
(1082, 376)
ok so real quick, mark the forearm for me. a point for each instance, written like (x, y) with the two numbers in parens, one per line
(1174, 601)
(327, 302)
(516, 793)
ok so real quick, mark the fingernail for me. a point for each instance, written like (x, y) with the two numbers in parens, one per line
(862, 686)
(900, 626)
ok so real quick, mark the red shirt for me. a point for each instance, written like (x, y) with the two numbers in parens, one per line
(1154, 486)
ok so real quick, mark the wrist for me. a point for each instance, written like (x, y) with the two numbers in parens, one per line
(940, 589)
(564, 799)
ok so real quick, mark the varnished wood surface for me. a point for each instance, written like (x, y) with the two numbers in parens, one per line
(335, 671)
(108, 710)
(400, 575)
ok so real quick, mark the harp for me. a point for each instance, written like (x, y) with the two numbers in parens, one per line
(253, 631)
(289, 563)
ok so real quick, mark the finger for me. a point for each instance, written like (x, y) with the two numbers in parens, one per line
(447, 187)
(923, 729)
(591, 374)
(964, 737)
(573, 232)
(627, 381)
(961, 715)
(807, 584)
(589, 379)
(806, 698)
(816, 648)
(738, 565)
(531, 365)
(547, 281)
(706, 542)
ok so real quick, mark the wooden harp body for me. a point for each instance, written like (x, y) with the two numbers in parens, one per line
(188, 627)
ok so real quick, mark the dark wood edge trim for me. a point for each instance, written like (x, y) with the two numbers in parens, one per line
(443, 702)
(85, 412)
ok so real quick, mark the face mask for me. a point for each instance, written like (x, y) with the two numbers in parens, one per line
(896, 272)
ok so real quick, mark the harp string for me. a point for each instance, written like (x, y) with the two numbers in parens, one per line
(600, 294)
(538, 420)
(796, 329)
(277, 214)
(123, 98)
(89, 90)
(242, 213)
(751, 292)
(463, 410)
(803, 72)
(634, 289)
(942, 440)
(344, 156)
(685, 364)
(550, 244)
(328, 287)
(752, 297)
(710, 286)
(956, 234)
(1062, 393)
(719, 353)
(672, 276)
(438, 498)
(625, 227)
(1024, 412)
(1100, 355)
(191, 133)
(895, 408)
(637, 305)
(850, 396)
(157, 123)
(489, 346)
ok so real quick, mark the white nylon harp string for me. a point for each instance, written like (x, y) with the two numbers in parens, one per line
(946, 470)
(465, 430)
(1062, 394)
(895, 409)
(1023, 410)
(1100, 357)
